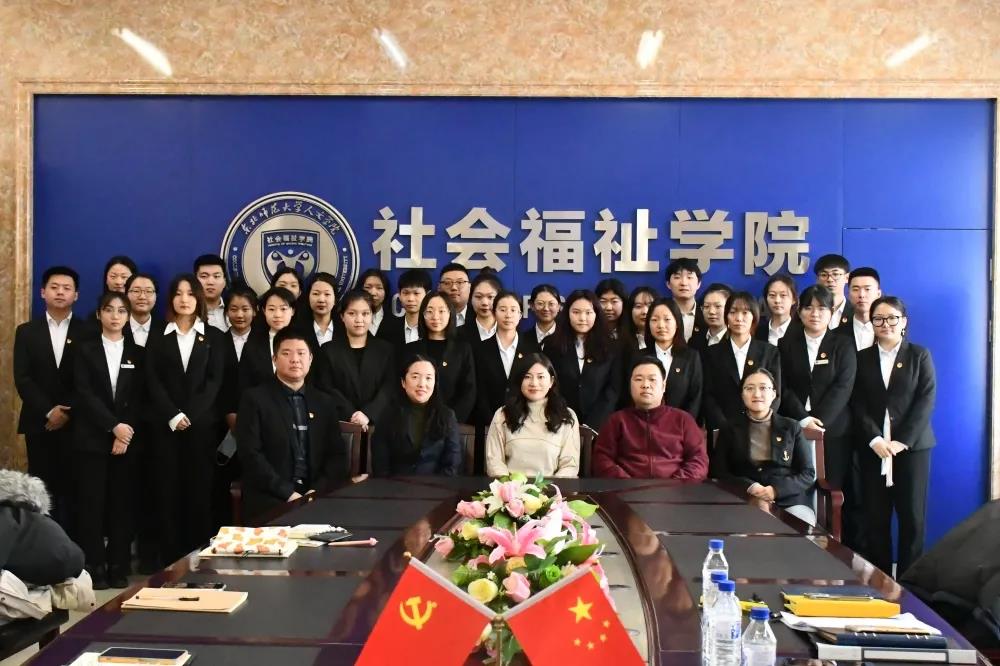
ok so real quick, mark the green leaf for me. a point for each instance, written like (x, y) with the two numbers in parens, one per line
(576, 554)
(583, 509)
(502, 520)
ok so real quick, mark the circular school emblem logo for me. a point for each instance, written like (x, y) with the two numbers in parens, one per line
(290, 229)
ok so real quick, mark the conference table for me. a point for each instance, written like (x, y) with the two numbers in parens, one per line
(319, 605)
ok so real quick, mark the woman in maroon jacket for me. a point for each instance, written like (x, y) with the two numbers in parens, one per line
(651, 439)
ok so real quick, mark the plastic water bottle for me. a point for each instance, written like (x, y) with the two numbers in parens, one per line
(760, 648)
(726, 625)
(707, 602)
(714, 561)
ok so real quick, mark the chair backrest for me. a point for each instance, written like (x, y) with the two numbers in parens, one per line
(587, 437)
(467, 435)
(357, 441)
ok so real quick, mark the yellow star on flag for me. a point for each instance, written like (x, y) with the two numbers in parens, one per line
(576, 642)
(604, 638)
(590, 646)
(581, 610)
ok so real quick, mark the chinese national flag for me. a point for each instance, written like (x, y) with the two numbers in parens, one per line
(427, 620)
(572, 622)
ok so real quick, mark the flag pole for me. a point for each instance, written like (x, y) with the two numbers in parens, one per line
(498, 627)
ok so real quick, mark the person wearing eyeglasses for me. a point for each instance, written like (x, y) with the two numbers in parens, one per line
(765, 453)
(893, 401)
(455, 284)
(818, 369)
(143, 322)
(831, 271)
(726, 363)
(545, 304)
(712, 308)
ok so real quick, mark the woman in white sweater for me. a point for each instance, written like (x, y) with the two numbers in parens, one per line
(535, 432)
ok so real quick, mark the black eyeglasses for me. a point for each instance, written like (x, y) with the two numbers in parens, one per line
(891, 320)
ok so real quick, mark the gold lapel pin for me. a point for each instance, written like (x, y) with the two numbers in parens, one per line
(590, 360)
(778, 438)
(784, 456)
(68, 341)
(201, 338)
(899, 365)
(444, 364)
(520, 355)
(677, 369)
(843, 320)
(822, 354)
(311, 415)
(750, 361)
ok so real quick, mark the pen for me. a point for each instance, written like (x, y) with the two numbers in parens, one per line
(366, 542)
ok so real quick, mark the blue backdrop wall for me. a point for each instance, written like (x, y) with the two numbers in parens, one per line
(904, 186)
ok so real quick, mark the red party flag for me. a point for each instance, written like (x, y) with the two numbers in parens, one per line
(572, 622)
(427, 620)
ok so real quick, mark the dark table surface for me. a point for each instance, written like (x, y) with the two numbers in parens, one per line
(319, 605)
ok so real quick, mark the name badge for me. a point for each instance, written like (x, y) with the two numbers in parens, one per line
(822, 361)
(128, 366)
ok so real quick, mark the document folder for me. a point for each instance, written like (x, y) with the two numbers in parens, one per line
(177, 599)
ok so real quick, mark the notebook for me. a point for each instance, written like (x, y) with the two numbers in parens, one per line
(176, 599)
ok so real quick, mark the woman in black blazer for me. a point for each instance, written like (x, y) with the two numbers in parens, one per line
(818, 370)
(376, 283)
(276, 308)
(637, 309)
(893, 401)
(491, 373)
(109, 399)
(421, 434)
(722, 400)
(587, 360)
(764, 453)
(545, 305)
(456, 380)
(780, 310)
(184, 371)
(665, 340)
(356, 364)
(322, 300)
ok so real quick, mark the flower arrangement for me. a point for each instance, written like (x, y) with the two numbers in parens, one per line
(517, 538)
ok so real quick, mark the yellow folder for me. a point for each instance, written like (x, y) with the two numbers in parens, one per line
(840, 607)
(191, 600)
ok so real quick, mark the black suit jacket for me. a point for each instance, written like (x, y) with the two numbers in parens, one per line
(491, 380)
(95, 410)
(794, 326)
(391, 329)
(264, 432)
(256, 365)
(789, 470)
(193, 392)
(393, 451)
(458, 375)
(846, 316)
(39, 382)
(909, 398)
(156, 326)
(592, 393)
(530, 339)
(722, 399)
(369, 389)
(827, 386)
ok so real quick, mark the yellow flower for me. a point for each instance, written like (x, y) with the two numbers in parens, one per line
(470, 530)
(532, 503)
(515, 563)
(483, 590)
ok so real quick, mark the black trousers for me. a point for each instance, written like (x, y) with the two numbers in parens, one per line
(840, 471)
(104, 507)
(908, 497)
(184, 462)
(50, 459)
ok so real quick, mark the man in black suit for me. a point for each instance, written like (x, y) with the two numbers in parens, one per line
(683, 279)
(863, 289)
(43, 376)
(831, 271)
(411, 286)
(288, 435)
(455, 283)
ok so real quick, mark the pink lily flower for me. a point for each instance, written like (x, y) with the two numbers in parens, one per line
(521, 542)
(476, 561)
(506, 491)
(444, 546)
(515, 507)
(471, 509)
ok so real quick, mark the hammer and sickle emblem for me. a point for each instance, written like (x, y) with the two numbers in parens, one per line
(414, 617)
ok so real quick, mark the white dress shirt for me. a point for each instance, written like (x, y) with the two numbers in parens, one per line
(838, 314)
(886, 360)
(58, 330)
(410, 333)
(812, 349)
(323, 335)
(741, 355)
(666, 356)
(140, 332)
(486, 333)
(864, 334)
(376, 321)
(239, 341)
(580, 354)
(217, 317)
(775, 334)
(507, 354)
(460, 316)
(715, 338)
(641, 340)
(113, 350)
(688, 321)
(185, 344)
(540, 335)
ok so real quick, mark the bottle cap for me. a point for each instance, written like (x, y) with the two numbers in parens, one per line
(715, 544)
(718, 576)
(760, 613)
(727, 586)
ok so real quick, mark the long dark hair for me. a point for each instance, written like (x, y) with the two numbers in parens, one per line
(628, 328)
(449, 331)
(436, 424)
(597, 344)
(381, 277)
(675, 311)
(515, 409)
(200, 311)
